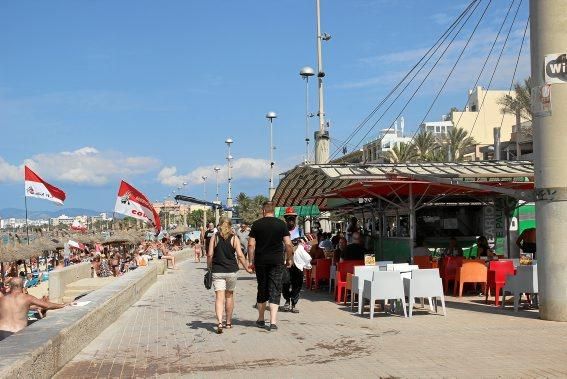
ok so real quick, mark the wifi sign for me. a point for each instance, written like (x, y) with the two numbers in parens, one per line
(556, 68)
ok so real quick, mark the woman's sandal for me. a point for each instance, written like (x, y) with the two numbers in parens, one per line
(228, 325)
(219, 329)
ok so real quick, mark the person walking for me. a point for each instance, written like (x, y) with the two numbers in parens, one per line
(243, 233)
(266, 252)
(292, 280)
(224, 248)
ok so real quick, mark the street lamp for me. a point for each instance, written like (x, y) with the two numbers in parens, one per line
(204, 198)
(229, 142)
(305, 73)
(217, 201)
(270, 116)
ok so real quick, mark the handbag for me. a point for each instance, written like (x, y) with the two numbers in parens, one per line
(208, 279)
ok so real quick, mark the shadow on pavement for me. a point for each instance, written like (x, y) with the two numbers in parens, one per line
(479, 306)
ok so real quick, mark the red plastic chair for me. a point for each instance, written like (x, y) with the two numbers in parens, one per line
(423, 262)
(320, 271)
(448, 270)
(498, 271)
(343, 269)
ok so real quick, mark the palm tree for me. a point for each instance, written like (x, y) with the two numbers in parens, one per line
(520, 102)
(401, 153)
(425, 145)
(457, 142)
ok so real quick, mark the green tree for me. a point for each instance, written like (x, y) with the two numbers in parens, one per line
(250, 208)
(195, 218)
(520, 102)
(456, 144)
(425, 145)
(401, 153)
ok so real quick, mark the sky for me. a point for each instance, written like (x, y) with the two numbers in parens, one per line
(92, 92)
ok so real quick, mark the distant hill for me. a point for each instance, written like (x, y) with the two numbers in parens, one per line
(36, 215)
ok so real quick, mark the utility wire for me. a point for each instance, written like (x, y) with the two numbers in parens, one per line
(498, 61)
(485, 62)
(452, 69)
(438, 43)
(516, 66)
(420, 85)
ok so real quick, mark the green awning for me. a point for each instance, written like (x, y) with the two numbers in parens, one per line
(301, 210)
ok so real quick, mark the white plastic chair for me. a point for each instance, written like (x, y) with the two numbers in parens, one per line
(525, 281)
(358, 285)
(385, 285)
(397, 266)
(424, 283)
(332, 277)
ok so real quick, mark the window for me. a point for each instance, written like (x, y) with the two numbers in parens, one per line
(437, 129)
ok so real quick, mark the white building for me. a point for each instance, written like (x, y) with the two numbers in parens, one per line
(437, 128)
(61, 220)
(387, 139)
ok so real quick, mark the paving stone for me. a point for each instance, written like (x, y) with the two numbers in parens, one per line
(170, 333)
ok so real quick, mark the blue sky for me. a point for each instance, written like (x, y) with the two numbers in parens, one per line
(92, 92)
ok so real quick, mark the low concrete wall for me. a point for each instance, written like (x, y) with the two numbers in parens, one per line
(59, 279)
(40, 350)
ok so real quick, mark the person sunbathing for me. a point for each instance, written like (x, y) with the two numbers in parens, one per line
(14, 308)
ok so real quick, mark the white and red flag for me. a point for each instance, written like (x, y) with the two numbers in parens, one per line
(133, 203)
(78, 226)
(37, 187)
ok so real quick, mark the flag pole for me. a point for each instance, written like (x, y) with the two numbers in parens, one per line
(27, 228)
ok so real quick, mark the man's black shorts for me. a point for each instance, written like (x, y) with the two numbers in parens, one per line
(269, 279)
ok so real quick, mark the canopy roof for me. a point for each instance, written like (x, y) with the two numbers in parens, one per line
(402, 188)
(312, 184)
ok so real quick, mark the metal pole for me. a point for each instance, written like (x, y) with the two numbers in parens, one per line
(411, 221)
(27, 228)
(271, 189)
(217, 201)
(547, 35)
(518, 131)
(205, 198)
(229, 194)
(307, 119)
(322, 135)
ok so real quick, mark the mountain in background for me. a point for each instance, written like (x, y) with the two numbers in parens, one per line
(36, 215)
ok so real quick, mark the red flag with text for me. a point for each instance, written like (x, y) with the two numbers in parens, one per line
(133, 203)
(37, 187)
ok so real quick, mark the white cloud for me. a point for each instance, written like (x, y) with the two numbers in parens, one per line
(86, 165)
(242, 168)
(10, 173)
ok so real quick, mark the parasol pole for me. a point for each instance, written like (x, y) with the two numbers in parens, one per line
(27, 228)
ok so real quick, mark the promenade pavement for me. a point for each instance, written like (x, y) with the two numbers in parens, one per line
(170, 333)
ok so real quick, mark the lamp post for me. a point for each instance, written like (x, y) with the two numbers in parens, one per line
(322, 135)
(204, 198)
(305, 73)
(270, 116)
(217, 200)
(229, 142)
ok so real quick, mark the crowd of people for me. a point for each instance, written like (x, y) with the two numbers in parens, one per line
(275, 250)
(16, 304)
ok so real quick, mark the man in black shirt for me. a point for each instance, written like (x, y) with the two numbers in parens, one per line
(267, 240)
(209, 233)
(354, 251)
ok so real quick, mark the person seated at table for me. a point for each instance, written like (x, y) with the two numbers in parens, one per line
(527, 241)
(315, 251)
(354, 251)
(419, 250)
(484, 249)
(339, 251)
(453, 250)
